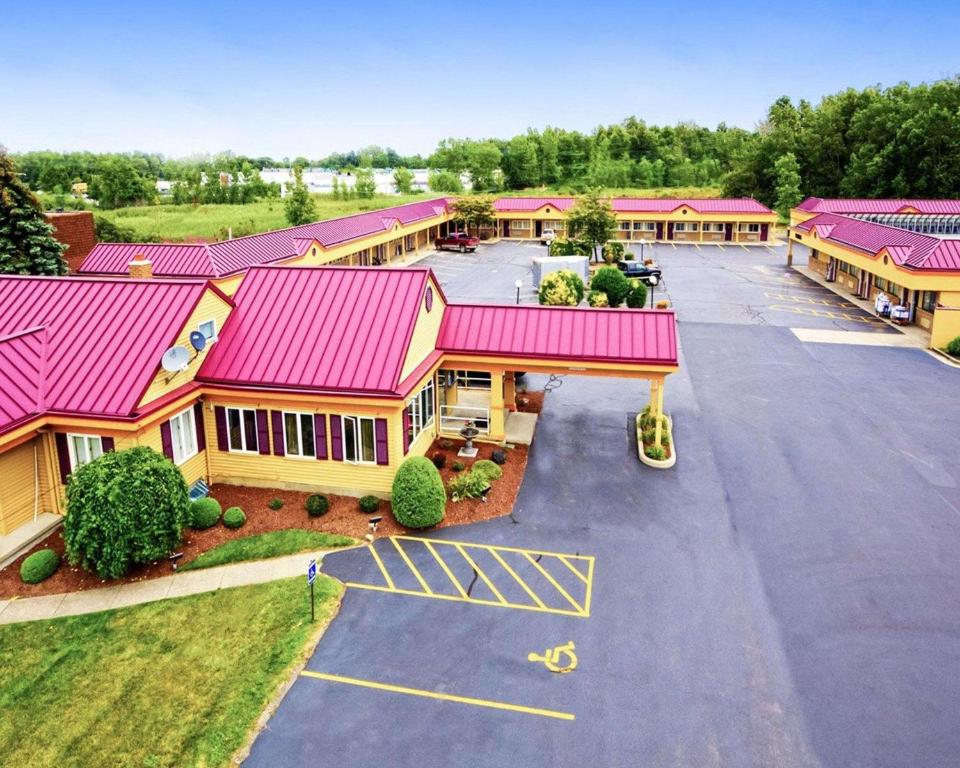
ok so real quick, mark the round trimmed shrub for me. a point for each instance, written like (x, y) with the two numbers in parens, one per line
(597, 299)
(953, 347)
(562, 288)
(499, 456)
(418, 498)
(317, 505)
(275, 504)
(124, 508)
(369, 504)
(39, 566)
(637, 298)
(488, 469)
(613, 282)
(234, 517)
(204, 513)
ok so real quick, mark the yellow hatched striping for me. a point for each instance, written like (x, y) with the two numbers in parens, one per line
(411, 566)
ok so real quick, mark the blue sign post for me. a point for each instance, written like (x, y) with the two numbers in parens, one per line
(311, 577)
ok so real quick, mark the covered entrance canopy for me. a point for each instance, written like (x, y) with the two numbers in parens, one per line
(498, 340)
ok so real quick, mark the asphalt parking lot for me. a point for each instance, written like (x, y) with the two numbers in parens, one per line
(786, 595)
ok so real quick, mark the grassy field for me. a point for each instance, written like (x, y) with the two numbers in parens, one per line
(624, 192)
(264, 545)
(154, 223)
(177, 682)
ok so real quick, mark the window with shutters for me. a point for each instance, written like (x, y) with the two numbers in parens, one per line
(242, 429)
(183, 436)
(83, 449)
(359, 441)
(298, 438)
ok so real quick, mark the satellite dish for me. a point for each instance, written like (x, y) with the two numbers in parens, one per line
(175, 359)
(198, 341)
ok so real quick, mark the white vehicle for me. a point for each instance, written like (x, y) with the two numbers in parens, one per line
(547, 236)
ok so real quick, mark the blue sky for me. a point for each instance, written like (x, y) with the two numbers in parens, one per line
(282, 79)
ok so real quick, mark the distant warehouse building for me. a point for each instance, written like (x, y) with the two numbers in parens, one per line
(909, 250)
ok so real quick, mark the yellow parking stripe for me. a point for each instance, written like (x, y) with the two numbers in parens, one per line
(506, 566)
(563, 559)
(439, 696)
(496, 547)
(553, 581)
(472, 600)
(697, 247)
(586, 602)
(745, 248)
(481, 574)
(410, 565)
(446, 569)
(383, 569)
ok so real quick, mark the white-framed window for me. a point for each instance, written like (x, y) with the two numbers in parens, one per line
(520, 224)
(359, 440)
(298, 436)
(183, 435)
(83, 449)
(715, 227)
(625, 226)
(680, 226)
(749, 227)
(421, 411)
(209, 330)
(242, 429)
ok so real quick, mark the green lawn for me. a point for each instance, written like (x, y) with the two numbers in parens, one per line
(153, 223)
(263, 545)
(172, 683)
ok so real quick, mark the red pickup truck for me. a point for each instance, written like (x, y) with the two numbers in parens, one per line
(459, 241)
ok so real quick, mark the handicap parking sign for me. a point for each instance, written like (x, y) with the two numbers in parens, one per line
(312, 572)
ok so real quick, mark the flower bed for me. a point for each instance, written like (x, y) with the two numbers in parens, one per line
(645, 442)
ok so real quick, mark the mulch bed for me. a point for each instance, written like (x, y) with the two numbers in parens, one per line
(344, 517)
(530, 402)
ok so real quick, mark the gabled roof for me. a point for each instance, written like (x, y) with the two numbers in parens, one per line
(230, 257)
(21, 371)
(638, 204)
(864, 206)
(102, 339)
(907, 249)
(569, 334)
(529, 204)
(342, 330)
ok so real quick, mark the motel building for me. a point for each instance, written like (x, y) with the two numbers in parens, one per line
(315, 379)
(907, 249)
(721, 220)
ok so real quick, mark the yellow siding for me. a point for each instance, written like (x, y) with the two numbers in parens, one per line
(210, 307)
(424, 338)
(327, 475)
(192, 469)
(230, 284)
(20, 484)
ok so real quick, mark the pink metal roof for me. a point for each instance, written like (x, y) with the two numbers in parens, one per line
(230, 257)
(528, 204)
(908, 249)
(21, 366)
(104, 337)
(701, 205)
(863, 206)
(568, 334)
(333, 329)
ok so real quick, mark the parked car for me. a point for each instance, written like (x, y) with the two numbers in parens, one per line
(458, 241)
(547, 237)
(651, 275)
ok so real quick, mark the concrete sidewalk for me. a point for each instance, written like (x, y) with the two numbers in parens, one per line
(176, 585)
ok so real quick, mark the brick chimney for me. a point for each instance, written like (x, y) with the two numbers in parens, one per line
(140, 267)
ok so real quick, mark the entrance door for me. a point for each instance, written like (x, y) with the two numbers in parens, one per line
(669, 230)
(506, 228)
(659, 230)
(538, 227)
(728, 232)
(764, 231)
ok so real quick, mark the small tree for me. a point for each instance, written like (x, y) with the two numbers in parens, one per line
(637, 297)
(403, 180)
(613, 282)
(27, 244)
(562, 288)
(475, 211)
(335, 188)
(418, 499)
(299, 207)
(364, 185)
(446, 182)
(787, 171)
(592, 221)
(124, 509)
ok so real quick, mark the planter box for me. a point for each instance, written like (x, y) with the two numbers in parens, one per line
(657, 463)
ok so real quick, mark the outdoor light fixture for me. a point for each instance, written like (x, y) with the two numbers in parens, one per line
(518, 285)
(643, 242)
(374, 522)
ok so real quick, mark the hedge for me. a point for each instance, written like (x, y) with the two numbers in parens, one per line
(124, 508)
(204, 513)
(418, 498)
(39, 566)
(317, 505)
(953, 347)
(369, 504)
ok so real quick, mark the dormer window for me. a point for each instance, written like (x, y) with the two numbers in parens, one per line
(209, 330)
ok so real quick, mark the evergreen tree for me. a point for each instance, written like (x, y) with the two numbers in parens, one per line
(787, 171)
(27, 244)
(299, 207)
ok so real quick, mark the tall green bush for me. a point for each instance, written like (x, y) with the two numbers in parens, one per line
(123, 509)
(637, 297)
(613, 282)
(562, 288)
(612, 252)
(418, 498)
(953, 347)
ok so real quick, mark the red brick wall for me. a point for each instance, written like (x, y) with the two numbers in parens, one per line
(75, 230)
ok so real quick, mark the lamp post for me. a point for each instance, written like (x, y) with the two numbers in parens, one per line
(643, 242)
(518, 285)
(652, 281)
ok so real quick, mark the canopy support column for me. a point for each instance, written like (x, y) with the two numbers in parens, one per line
(656, 408)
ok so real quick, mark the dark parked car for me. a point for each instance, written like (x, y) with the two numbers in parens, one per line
(649, 275)
(458, 241)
